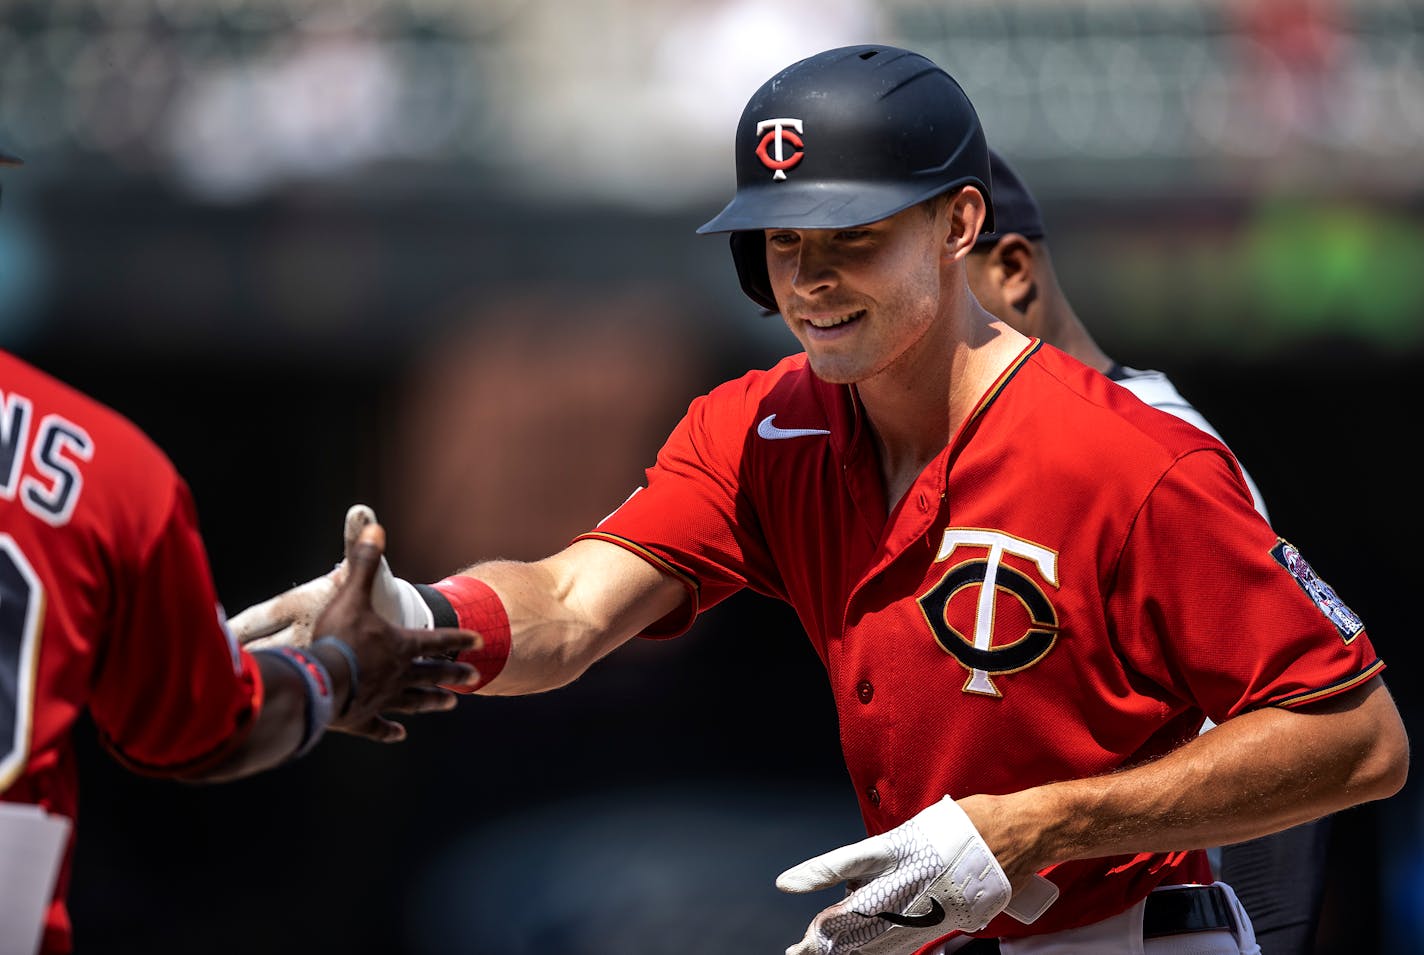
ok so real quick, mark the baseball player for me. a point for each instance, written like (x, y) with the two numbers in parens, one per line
(107, 606)
(1028, 587)
(1279, 878)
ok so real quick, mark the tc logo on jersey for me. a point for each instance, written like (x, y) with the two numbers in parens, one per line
(776, 135)
(982, 580)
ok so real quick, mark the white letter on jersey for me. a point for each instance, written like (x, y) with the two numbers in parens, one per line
(55, 504)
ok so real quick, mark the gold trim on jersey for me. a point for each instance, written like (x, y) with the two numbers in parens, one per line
(1310, 696)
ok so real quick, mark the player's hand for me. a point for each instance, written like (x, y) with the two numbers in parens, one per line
(919, 882)
(398, 669)
(287, 618)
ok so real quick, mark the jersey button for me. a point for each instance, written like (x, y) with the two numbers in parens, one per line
(865, 691)
(924, 502)
(873, 795)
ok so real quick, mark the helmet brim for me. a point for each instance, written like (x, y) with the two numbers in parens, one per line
(819, 205)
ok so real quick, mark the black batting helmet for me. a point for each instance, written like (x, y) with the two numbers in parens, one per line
(845, 137)
(1015, 208)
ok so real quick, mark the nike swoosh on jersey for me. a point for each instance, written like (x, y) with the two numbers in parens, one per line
(933, 917)
(771, 432)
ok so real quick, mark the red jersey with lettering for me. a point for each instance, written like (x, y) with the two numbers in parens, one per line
(106, 604)
(1066, 590)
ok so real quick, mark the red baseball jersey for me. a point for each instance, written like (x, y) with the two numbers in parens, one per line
(1067, 589)
(106, 604)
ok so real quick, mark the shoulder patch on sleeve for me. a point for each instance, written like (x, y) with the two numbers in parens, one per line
(1320, 593)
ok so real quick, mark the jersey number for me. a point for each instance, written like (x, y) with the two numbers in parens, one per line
(21, 610)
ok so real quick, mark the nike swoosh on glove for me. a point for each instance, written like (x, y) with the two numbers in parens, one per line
(919, 882)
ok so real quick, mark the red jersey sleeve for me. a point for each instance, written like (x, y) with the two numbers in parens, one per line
(1269, 632)
(174, 693)
(691, 519)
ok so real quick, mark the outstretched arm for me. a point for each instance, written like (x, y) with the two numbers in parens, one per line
(1258, 773)
(554, 617)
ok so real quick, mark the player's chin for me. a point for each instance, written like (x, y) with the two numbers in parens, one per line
(836, 368)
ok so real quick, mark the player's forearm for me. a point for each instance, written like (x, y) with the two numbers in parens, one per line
(551, 642)
(282, 723)
(570, 610)
(1256, 774)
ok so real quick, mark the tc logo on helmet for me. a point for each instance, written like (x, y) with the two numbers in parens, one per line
(777, 136)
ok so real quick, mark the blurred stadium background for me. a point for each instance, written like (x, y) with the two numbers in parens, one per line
(438, 256)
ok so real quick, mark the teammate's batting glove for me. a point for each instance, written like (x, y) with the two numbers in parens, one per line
(286, 619)
(910, 886)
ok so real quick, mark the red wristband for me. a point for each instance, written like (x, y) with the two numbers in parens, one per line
(479, 608)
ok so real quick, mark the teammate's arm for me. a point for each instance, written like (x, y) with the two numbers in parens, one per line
(1258, 773)
(382, 668)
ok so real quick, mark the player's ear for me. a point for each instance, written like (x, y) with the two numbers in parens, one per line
(966, 211)
(1013, 267)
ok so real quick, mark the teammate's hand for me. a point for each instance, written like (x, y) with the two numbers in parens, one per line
(398, 669)
(287, 618)
(905, 888)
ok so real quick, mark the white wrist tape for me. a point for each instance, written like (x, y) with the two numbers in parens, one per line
(411, 606)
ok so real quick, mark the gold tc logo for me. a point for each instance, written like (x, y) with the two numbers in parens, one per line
(977, 653)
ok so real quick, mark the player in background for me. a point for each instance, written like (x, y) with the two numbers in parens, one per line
(107, 606)
(1279, 878)
(1029, 588)
(1011, 274)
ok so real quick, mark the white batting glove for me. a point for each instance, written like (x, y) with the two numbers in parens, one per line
(907, 887)
(286, 619)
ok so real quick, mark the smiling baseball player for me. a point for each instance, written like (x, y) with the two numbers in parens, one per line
(1028, 588)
